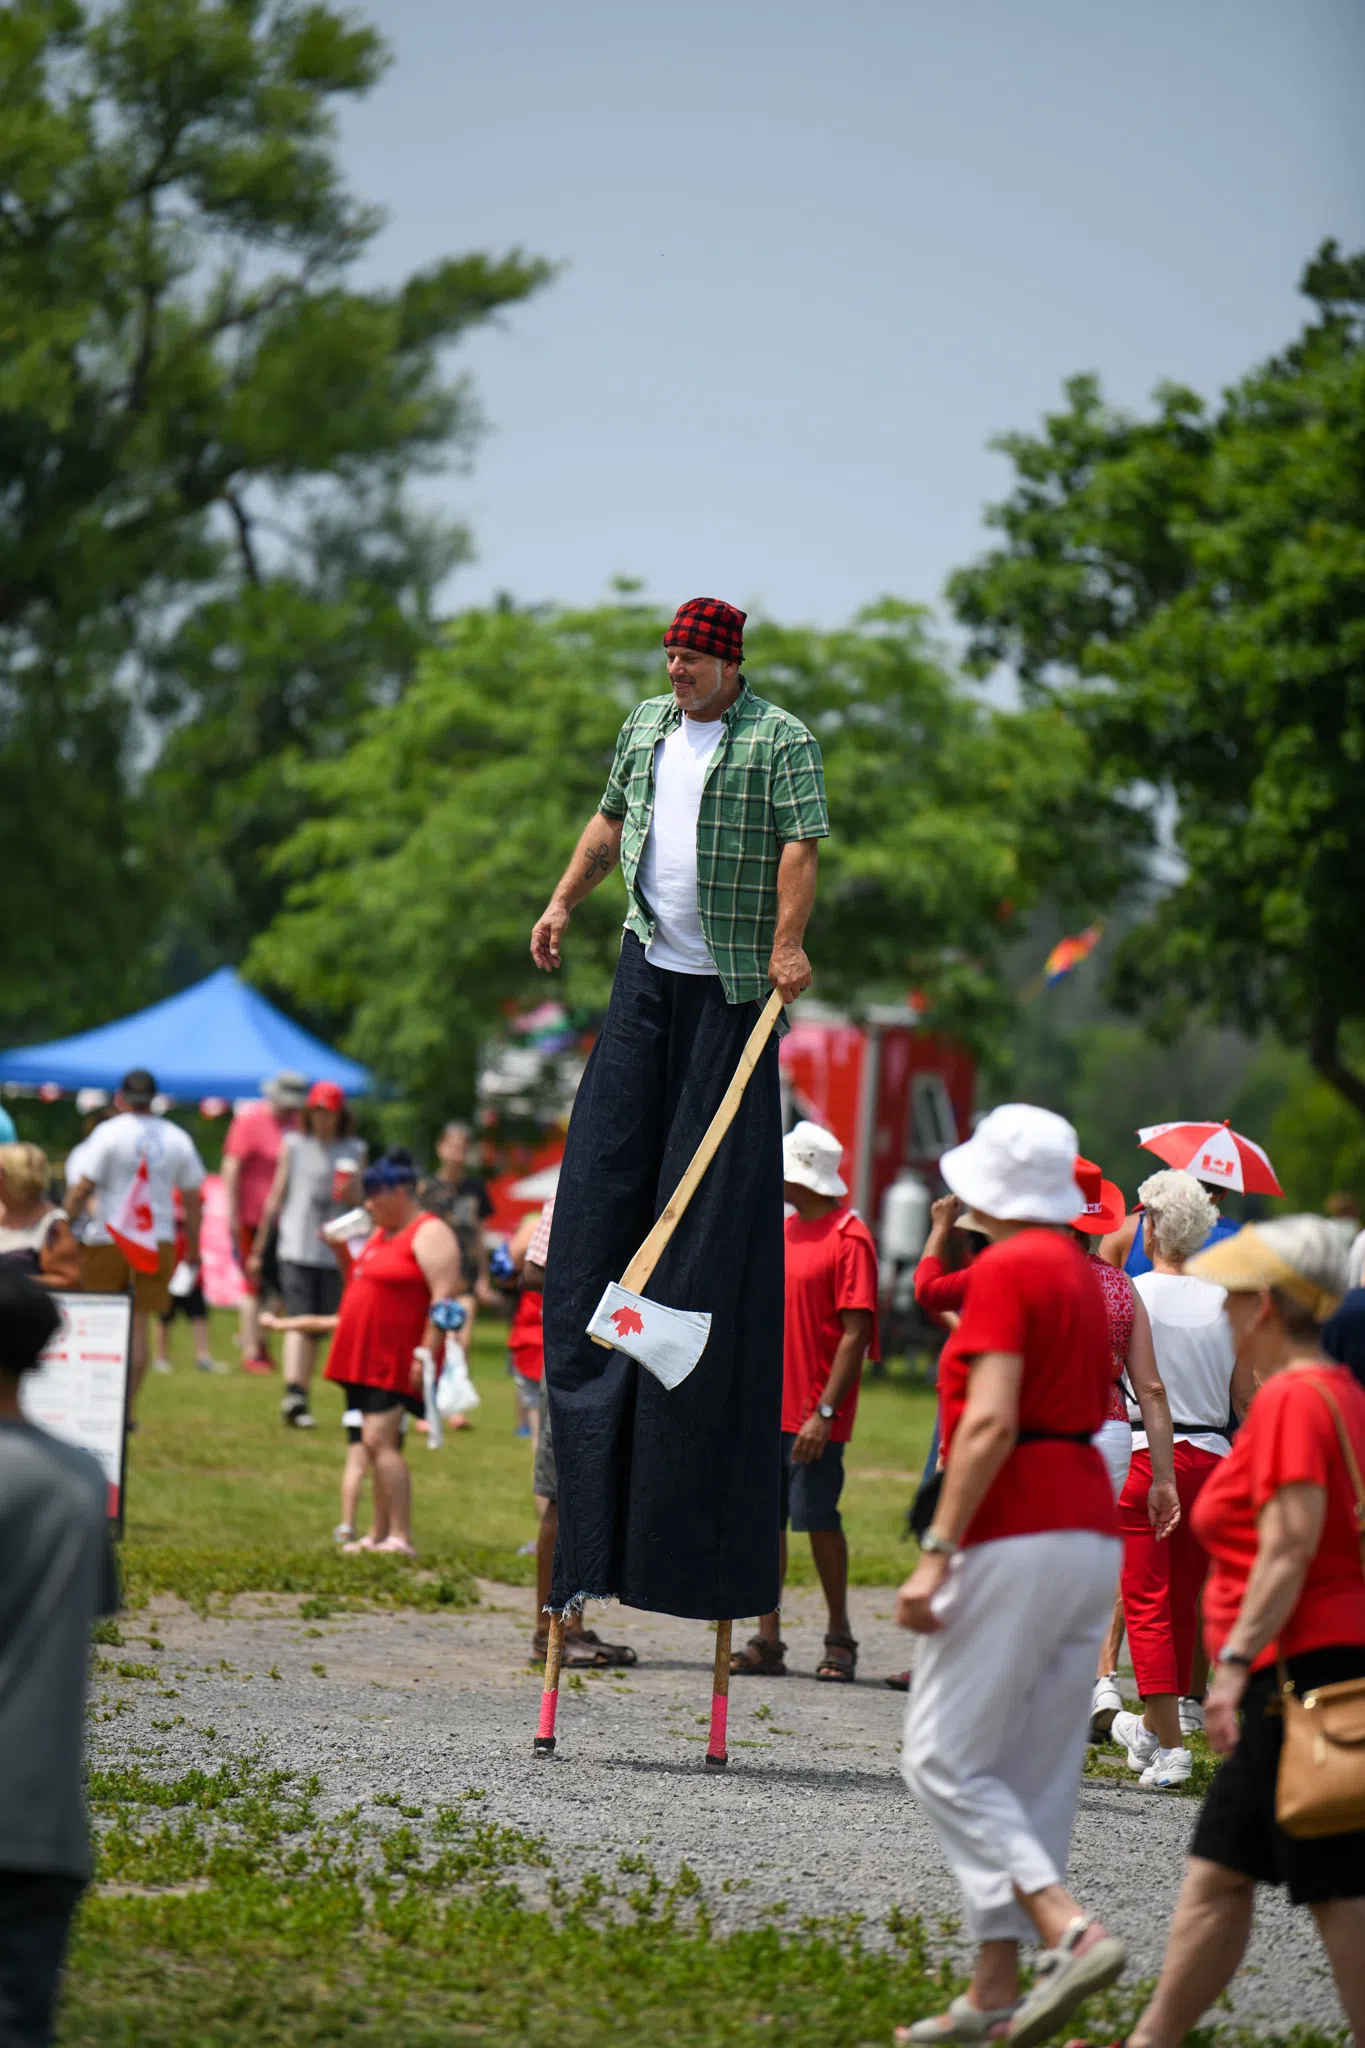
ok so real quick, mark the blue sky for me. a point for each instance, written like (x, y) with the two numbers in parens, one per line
(815, 255)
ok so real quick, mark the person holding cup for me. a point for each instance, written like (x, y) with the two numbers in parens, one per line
(317, 1178)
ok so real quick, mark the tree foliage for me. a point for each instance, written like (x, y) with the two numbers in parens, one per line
(1191, 590)
(205, 433)
(440, 833)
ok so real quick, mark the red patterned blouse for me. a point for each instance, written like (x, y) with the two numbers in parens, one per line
(1117, 1290)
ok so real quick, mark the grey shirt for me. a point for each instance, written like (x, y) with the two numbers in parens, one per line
(56, 1574)
(308, 1200)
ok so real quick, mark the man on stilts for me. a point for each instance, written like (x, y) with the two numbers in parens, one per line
(714, 808)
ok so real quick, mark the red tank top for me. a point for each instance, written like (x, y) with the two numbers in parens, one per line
(383, 1313)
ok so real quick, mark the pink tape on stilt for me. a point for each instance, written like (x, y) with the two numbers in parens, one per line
(720, 1708)
(549, 1702)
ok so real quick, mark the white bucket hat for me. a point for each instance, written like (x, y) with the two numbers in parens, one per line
(810, 1158)
(1019, 1164)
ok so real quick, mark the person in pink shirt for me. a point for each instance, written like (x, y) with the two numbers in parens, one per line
(251, 1153)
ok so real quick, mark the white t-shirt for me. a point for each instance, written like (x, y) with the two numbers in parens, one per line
(668, 865)
(109, 1158)
(1194, 1354)
(86, 1223)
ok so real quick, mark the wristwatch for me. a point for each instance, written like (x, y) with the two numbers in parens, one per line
(1235, 1658)
(826, 1411)
(936, 1545)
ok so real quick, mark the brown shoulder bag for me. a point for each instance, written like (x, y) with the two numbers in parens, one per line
(1321, 1785)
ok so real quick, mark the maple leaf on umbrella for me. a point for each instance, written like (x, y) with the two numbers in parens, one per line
(626, 1320)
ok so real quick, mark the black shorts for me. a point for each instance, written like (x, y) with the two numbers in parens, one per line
(1237, 1828)
(361, 1400)
(310, 1290)
(810, 1493)
(191, 1306)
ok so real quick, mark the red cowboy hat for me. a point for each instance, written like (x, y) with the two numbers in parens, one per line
(1104, 1208)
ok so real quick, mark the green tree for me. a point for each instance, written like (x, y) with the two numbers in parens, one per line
(1191, 590)
(440, 833)
(205, 432)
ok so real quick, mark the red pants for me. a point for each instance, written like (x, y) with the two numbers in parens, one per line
(1161, 1582)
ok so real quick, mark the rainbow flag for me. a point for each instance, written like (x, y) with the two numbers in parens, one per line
(1068, 954)
(1064, 958)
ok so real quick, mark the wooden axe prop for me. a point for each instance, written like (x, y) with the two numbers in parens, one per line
(669, 1341)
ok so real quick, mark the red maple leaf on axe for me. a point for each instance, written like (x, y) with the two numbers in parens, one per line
(626, 1320)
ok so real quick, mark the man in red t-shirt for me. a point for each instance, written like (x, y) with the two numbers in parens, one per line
(830, 1327)
(251, 1152)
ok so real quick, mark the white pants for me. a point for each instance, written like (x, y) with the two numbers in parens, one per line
(1114, 1442)
(996, 1725)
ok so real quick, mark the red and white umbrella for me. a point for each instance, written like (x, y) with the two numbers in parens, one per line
(1213, 1153)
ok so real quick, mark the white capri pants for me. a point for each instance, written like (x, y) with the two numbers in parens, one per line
(1114, 1442)
(996, 1726)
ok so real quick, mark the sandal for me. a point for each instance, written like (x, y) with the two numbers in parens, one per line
(839, 1665)
(584, 1650)
(961, 2022)
(1087, 1959)
(899, 1681)
(759, 1659)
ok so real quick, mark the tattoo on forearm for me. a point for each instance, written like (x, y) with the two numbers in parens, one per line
(598, 860)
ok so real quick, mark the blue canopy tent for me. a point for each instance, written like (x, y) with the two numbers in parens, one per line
(218, 1038)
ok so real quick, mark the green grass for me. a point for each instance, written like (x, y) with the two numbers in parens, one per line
(227, 1914)
(222, 1498)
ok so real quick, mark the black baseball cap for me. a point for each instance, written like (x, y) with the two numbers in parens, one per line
(137, 1085)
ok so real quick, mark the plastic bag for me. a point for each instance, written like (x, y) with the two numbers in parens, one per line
(456, 1392)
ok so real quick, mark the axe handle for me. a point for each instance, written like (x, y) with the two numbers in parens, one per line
(637, 1274)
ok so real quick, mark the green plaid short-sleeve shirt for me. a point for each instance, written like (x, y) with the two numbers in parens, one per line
(764, 787)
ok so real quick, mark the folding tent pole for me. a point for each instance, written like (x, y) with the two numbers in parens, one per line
(549, 1698)
(716, 1758)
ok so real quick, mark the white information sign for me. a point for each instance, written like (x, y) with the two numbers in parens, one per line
(79, 1389)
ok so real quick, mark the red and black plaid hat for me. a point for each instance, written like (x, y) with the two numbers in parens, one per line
(711, 626)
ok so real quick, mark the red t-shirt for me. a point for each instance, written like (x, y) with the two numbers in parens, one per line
(1288, 1437)
(1035, 1295)
(383, 1313)
(526, 1337)
(831, 1265)
(255, 1137)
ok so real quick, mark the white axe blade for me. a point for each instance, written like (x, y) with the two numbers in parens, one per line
(666, 1341)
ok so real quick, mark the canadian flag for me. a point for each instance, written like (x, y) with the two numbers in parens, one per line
(133, 1229)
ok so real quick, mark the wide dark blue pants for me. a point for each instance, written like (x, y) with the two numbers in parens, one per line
(669, 1501)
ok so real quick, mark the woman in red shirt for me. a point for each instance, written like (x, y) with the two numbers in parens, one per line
(1016, 1583)
(411, 1261)
(1287, 1579)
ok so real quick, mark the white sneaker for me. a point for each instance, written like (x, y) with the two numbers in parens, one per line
(1105, 1701)
(1130, 1733)
(1168, 1767)
(1191, 1717)
(161, 1365)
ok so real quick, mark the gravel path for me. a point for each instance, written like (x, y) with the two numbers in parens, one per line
(812, 1810)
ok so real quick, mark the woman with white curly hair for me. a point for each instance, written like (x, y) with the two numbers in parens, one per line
(1160, 1582)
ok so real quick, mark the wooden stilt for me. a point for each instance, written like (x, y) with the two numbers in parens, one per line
(716, 1758)
(549, 1698)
